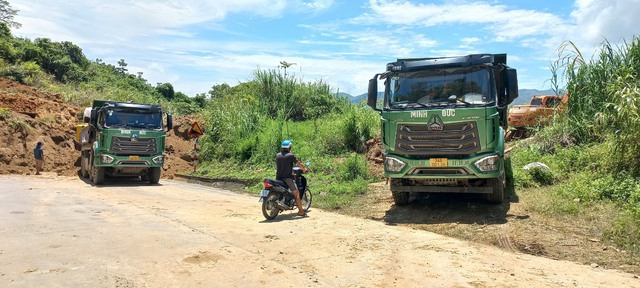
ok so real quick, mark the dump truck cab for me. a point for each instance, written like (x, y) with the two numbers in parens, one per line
(123, 139)
(442, 123)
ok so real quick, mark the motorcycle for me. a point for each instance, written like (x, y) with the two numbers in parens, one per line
(277, 197)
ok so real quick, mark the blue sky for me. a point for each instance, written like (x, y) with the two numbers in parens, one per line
(196, 44)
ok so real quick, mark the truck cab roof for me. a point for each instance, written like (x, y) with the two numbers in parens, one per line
(126, 105)
(415, 64)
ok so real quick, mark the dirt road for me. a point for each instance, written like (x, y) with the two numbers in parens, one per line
(62, 232)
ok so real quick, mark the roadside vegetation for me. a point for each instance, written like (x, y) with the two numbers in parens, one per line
(62, 67)
(244, 124)
(592, 147)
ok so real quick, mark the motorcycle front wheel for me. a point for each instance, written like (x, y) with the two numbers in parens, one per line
(306, 199)
(269, 208)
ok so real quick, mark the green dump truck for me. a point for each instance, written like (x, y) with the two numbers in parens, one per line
(122, 139)
(443, 122)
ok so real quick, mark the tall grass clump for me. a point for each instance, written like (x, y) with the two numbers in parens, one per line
(593, 142)
(249, 121)
(246, 123)
(360, 125)
(604, 98)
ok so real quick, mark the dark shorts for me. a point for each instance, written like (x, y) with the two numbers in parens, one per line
(291, 184)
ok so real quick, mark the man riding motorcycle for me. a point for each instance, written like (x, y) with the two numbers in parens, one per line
(284, 171)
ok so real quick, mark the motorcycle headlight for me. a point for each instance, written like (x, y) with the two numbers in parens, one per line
(158, 159)
(393, 164)
(489, 163)
(107, 159)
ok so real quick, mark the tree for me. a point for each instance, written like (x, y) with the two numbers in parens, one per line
(219, 90)
(121, 66)
(7, 13)
(166, 90)
(285, 65)
(200, 100)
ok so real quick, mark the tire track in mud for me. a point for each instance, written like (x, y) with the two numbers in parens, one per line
(504, 240)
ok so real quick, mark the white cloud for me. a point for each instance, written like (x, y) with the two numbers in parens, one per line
(507, 24)
(120, 20)
(597, 20)
(319, 4)
(468, 42)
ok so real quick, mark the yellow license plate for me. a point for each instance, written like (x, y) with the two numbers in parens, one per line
(439, 162)
(134, 157)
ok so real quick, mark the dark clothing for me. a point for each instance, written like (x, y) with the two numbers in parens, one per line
(284, 165)
(292, 184)
(37, 152)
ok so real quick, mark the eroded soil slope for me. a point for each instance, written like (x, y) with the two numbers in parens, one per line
(35, 115)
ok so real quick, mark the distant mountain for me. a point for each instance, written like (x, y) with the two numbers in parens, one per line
(524, 96)
(362, 98)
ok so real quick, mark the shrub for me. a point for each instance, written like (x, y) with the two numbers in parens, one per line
(354, 167)
(5, 114)
(358, 127)
(542, 176)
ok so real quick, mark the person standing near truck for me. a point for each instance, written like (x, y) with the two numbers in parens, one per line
(38, 154)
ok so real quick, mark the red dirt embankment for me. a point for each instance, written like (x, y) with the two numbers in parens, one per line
(35, 115)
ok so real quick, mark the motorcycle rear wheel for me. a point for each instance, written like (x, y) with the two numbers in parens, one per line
(306, 198)
(269, 208)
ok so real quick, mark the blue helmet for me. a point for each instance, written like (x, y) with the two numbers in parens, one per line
(286, 144)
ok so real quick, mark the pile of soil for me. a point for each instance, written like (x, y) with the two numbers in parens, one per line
(29, 115)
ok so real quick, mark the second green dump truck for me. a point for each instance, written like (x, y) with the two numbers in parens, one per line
(122, 139)
(443, 122)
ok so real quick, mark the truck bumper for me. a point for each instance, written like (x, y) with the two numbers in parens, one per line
(132, 165)
(440, 189)
(441, 175)
(458, 168)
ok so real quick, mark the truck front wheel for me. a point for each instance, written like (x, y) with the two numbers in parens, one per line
(98, 175)
(400, 198)
(153, 175)
(498, 185)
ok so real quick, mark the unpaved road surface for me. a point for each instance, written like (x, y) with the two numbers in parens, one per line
(58, 231)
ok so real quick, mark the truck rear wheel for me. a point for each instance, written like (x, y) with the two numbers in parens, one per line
(154, 175)
(400, 198)
(498, 185)
(98, 175)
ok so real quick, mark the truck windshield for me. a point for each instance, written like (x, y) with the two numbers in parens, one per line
(468, 86)
(133, 119)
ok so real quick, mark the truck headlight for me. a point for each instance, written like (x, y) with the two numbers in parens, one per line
(489, 163)
(158, 159)
(393, 164)
(107, 159)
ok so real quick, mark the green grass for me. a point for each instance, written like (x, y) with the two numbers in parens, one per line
(337, 174)
(583, 186)
(5, 114)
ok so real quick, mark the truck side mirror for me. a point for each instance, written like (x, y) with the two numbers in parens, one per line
(372, 95)
(94, 117)
(169, 122)
(512, 85)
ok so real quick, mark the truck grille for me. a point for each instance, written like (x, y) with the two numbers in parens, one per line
(455, 139)
(135, 146)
